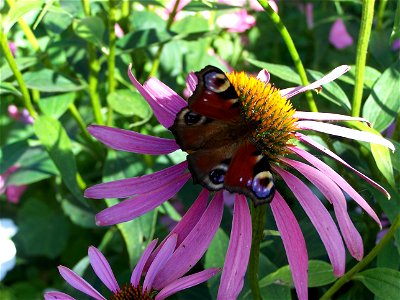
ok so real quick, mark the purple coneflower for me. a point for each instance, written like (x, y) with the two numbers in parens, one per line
(161, 280)
(147, 192)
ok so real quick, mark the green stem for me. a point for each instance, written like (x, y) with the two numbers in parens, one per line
(81, 124)
(292, 50)
(156, 62)
(381, 10)
(362, 48)
(258, 214)
(18, 76)
(111, 57)
(362, 264)
(94, 68)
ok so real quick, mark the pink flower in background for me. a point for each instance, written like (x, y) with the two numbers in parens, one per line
(119, 33)
(169, 8)
(13, 48)
(20, 115)
(239, 21)
(396, 45)
(159, 282)
(13, 192)
(338, 35)
(149, 191)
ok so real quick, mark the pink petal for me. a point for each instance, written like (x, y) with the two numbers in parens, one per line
(317, 116)
(102, 269)
(187, 223)
(294, 243)
(138, 205)
(137, 272)
(345, 132)
(165, 96)
(15, 192)
(57, 296)
(264, 76)
(324, 168)
(338, 35)
(237, 256)
(186, 282)
(337, 72)
(191, 82)
(313, 143)
(136, 185)
(320, 218)
(195, 244)
(333, 193)
(79, 283)
(126, 140)
(159, 262)
(238, 21)
(163, 115)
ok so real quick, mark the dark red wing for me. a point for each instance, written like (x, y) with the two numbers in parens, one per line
(214, 96)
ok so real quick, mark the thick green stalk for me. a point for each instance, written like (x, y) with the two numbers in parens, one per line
(94, 68)
(156, 62)
(363, 263)
(362, 48)
(292, 50)
(18, 76)
(258, 214)
(111, 56)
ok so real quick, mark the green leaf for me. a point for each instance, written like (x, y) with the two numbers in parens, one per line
(143, 39)
(138, 232)
(281, 71)
(90, 29)
(55, 140)
(371, 76)
(319, 274)
(383, 105)
(382, 282)
(19, 10)
(23, 63)
(129, 103)
(56, 106)
(42, 230)
(11, 153)
(8, 88)
(79, 215)
(46, 80)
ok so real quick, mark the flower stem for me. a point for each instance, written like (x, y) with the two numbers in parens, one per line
(362, 47)
(111, 56)
(363, 263)
(381, 10)
(94, 68)
(292, 50)
(156, 62)
(18, 76)
(258, 214)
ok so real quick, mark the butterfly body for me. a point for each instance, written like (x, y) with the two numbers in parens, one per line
(222, 153)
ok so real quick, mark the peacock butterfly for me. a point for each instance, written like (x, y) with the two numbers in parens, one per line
(222, 153)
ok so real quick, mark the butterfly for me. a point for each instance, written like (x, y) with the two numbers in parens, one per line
(222, 153)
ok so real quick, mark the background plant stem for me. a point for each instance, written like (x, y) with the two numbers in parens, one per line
(362, 48)
(258, 214)
(363, 263)
(111, 57)
(292, 50)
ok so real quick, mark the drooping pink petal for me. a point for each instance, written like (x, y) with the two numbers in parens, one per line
(317, 116)
(338, 35)
(237, 256)
(138, 270)
(264, 76)
(186, 282)
(164, 95)
(195, 244)
(318, 146)
(187, 223)
(337, 72)
(333, 193)
(353, 134)
(191, 82)
(136, 185)
(79, 283)
(163, 115)
(102, 269)
(15, 192)
(320, 218)
(238, 21)
(57, 296)
(138, 205)
(324, 168)
(126, 140)
(294, 243)
(159, 261)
